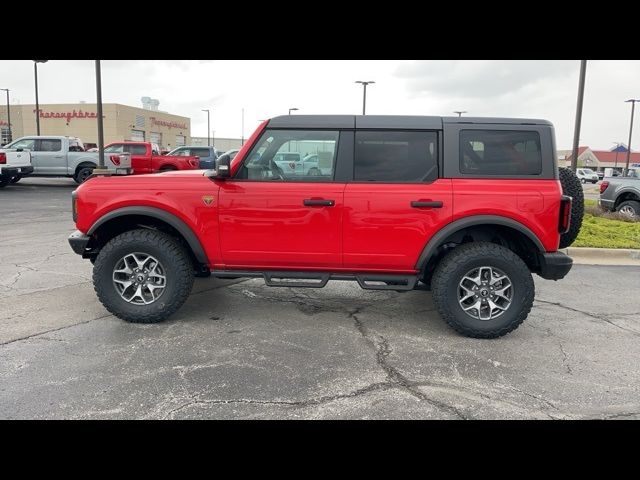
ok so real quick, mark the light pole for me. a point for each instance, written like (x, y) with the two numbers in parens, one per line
(459, 112)
(292, 109)
(364, 94)
(208, 128)
(9, 135)
(576, 132)
(100, 168)
(633, 106)
(35, 73)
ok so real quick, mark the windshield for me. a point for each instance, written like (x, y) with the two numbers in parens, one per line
(588, 171)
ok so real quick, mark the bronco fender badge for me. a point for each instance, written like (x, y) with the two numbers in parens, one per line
(207, 199)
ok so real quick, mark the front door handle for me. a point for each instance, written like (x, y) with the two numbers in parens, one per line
(426, 204)
(317, 202)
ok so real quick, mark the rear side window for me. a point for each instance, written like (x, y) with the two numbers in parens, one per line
(136, 149)
(200, 152)
(49, 145)
(391, 156)
(500, 152)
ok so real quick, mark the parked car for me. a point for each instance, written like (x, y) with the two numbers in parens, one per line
(146, 158)
(600, 174)
(207, 155)
(13, 164)
(472, 221)
(621, 194)
(232, 153)
(62, 156)
(587, 175)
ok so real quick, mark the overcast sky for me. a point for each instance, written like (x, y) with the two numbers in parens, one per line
(265, 88)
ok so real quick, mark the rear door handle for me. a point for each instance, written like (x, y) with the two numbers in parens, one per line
(426, 204)
(315, 202)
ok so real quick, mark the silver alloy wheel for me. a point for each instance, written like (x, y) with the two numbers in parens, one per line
(485, 293)
(139, 278)
(628, 211)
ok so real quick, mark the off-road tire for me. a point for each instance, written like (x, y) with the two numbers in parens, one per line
(633, 204)
(169, 252)
(4, 181)
(457, 263)
(571, 186)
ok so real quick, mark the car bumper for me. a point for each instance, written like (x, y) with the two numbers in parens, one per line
(554, 266)
(26, 170)
(9, 171)
(606, 204)
(78, 242)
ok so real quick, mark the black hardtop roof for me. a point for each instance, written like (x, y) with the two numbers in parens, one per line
(391, 121)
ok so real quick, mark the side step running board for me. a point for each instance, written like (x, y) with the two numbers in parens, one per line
(367, 281)
(296, 279)
(387, 282)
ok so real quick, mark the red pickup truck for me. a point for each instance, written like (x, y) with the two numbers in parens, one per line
(467, 207)
(146, 158)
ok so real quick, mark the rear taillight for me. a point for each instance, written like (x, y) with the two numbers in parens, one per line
(115, 159)
(565, 214)
(603, 186)
(3, 158)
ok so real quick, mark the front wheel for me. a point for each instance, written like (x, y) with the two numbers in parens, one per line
(143, 276)
(483, 290)
(582, 180)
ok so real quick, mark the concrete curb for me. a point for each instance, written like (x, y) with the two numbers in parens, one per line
(603, 256)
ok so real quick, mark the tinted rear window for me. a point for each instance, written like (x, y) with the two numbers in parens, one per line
(386, 156)
(50, 145)
(500, 152)
(200, 152)
(137, 149)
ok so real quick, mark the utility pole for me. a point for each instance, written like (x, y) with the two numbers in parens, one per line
(100, 168)
(633, 105)
(9, 132)
(576, 132)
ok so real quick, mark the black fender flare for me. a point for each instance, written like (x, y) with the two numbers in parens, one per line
(629, 189)
(169, 218)
(451, 228)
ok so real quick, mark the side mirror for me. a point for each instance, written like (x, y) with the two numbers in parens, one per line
(223, 169)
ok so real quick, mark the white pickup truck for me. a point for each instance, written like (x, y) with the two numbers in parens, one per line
(60, 156)
(13, 164)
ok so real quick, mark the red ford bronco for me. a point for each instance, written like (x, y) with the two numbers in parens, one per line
(466, 207)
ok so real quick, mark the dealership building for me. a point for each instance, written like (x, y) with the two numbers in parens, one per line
(121, 122)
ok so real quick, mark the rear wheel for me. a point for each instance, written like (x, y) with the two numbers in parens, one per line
(4, 181)
(630, 208)
(143, 276)
(314, 171)
(82, 174)
(571, 186)
(483, 290)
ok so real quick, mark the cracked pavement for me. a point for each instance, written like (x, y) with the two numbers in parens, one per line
(241, 350)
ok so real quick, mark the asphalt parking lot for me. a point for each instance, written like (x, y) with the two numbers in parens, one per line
(238, 349)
